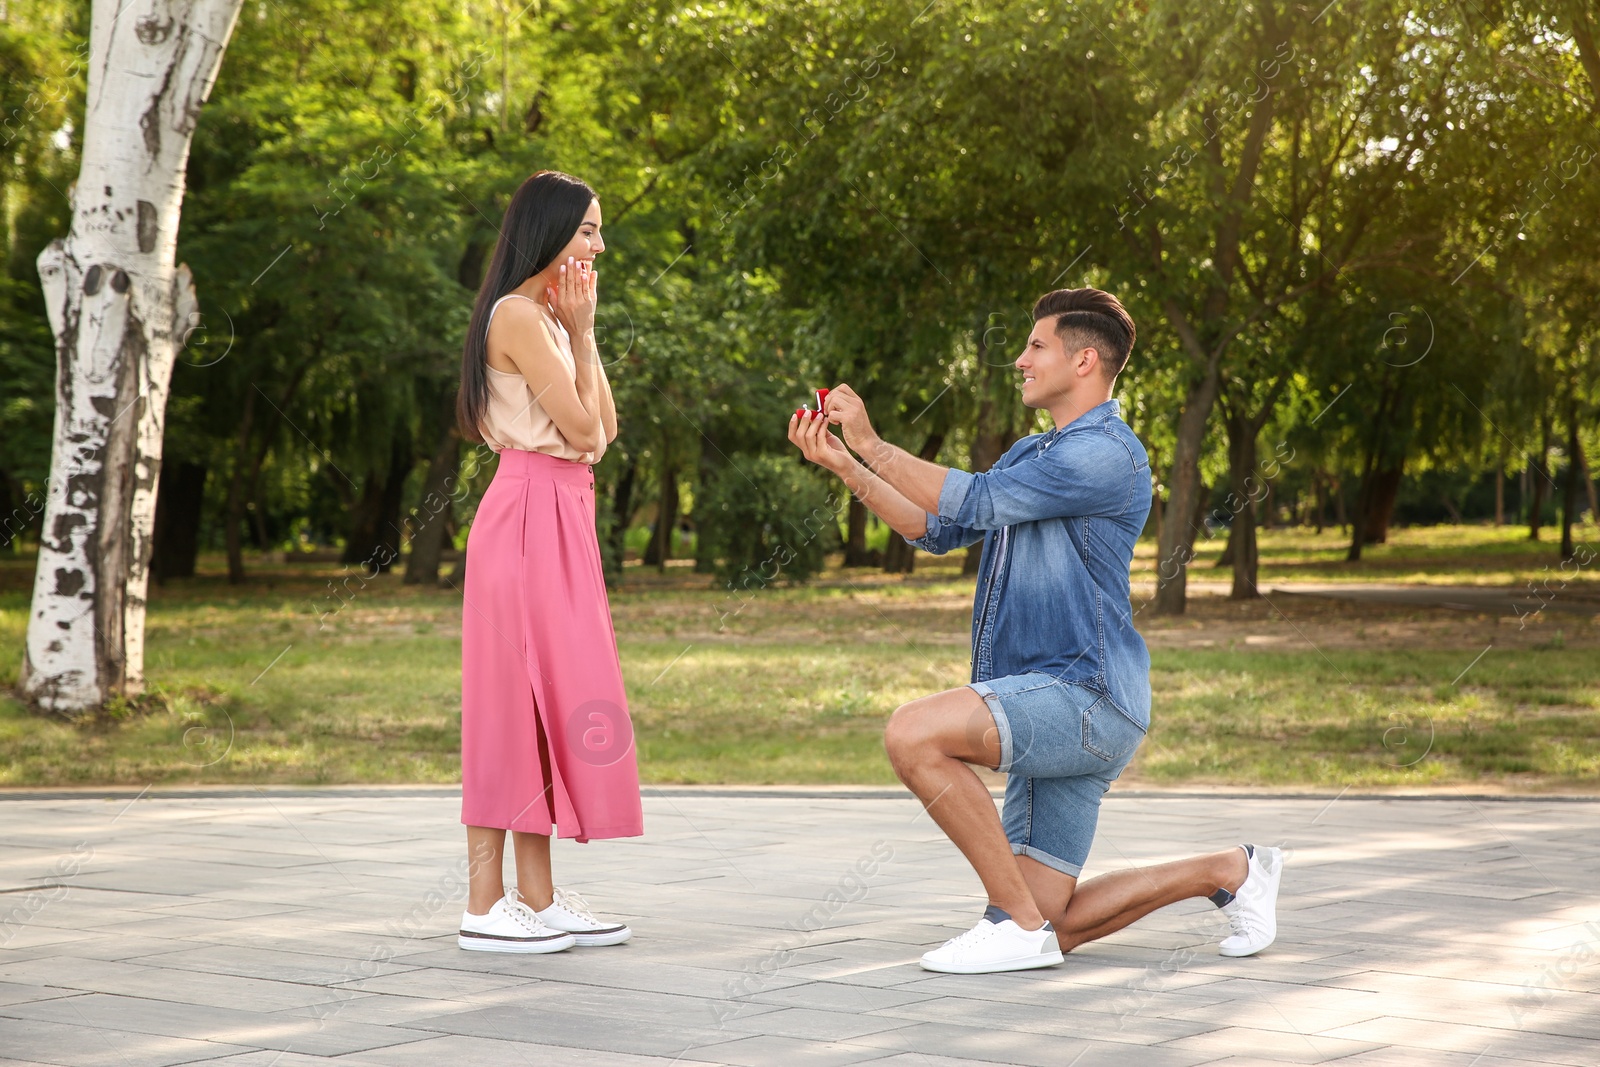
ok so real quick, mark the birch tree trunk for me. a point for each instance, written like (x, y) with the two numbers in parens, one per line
(120, 310)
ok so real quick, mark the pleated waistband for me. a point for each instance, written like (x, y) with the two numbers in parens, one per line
(519, 463)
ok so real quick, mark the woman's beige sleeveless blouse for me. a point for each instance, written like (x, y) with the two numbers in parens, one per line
(514, 418)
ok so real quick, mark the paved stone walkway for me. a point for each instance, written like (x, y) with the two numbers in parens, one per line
(292, 929)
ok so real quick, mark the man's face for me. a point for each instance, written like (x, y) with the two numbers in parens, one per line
(1049, 371)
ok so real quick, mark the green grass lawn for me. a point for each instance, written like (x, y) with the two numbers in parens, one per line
(269, 683)
(1445, 555)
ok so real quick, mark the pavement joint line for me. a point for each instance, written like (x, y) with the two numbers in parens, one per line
(97, 889)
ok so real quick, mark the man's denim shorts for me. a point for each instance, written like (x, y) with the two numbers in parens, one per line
(1061, 746)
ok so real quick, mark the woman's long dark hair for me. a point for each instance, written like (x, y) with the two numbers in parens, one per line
(543, 215)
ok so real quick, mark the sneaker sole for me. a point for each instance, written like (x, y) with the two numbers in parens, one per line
(1021, 963)
(495, 944)
(1236, 955)
(612, 937)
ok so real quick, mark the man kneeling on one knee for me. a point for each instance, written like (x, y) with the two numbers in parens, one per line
(1060, 692)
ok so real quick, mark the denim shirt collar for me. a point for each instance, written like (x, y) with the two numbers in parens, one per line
(1095, 416)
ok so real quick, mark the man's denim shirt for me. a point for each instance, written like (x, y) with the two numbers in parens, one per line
(1059, 515)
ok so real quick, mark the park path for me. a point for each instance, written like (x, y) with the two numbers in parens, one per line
(291, 928)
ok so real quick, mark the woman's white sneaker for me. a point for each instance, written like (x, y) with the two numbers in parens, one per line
(510, 929)
(569, 912)
(1253, 911)
(997, 943)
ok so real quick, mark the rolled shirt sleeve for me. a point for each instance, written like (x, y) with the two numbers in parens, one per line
(1088, 473)
(942, 535)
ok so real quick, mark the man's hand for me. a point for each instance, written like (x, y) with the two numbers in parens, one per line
(847, 409)
(810, 433)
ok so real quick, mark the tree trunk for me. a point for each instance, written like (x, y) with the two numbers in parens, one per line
(1538, 474)
(258, 519)
(711, 463)
(1569, 499)
(251, 471)
(179, 504)
(13, 523)
(233, 506)
(1588, 482)
(1244, 486)
(1176, 546)
(1500, 493)
(1374, 509)
(1358, 519)
(374, 537)
(1380, 476)
(994, 429)
(621, 516)
(900, 557)
(993, 437)
(1153, 523)
(660, 547)
(1385, 492)
(119, 308)
(427, 526)
(855, 542)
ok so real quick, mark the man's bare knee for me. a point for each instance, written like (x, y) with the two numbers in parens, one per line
(904, 738)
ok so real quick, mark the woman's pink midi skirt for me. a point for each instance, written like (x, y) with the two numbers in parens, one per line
(546, 740)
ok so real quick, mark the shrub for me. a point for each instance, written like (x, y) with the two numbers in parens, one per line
(765, 518)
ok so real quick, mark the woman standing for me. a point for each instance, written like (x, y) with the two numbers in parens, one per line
(546, 741)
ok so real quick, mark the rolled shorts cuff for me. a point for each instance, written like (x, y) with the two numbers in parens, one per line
(1001, 723)
(1055, 863)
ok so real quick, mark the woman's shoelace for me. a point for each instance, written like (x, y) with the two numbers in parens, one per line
(575, 904)
(530, 921)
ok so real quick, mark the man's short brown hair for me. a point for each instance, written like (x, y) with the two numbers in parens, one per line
(1090, 318)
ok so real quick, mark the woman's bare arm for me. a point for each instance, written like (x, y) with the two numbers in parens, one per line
(608, 407)
(573, 402)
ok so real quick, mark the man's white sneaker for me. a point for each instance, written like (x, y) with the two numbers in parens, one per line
(997, 943)
(508, 929)
(1253, 911)
(569, 912)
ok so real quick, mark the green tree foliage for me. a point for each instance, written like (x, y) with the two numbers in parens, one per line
(43, 49)
(1354, 238)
